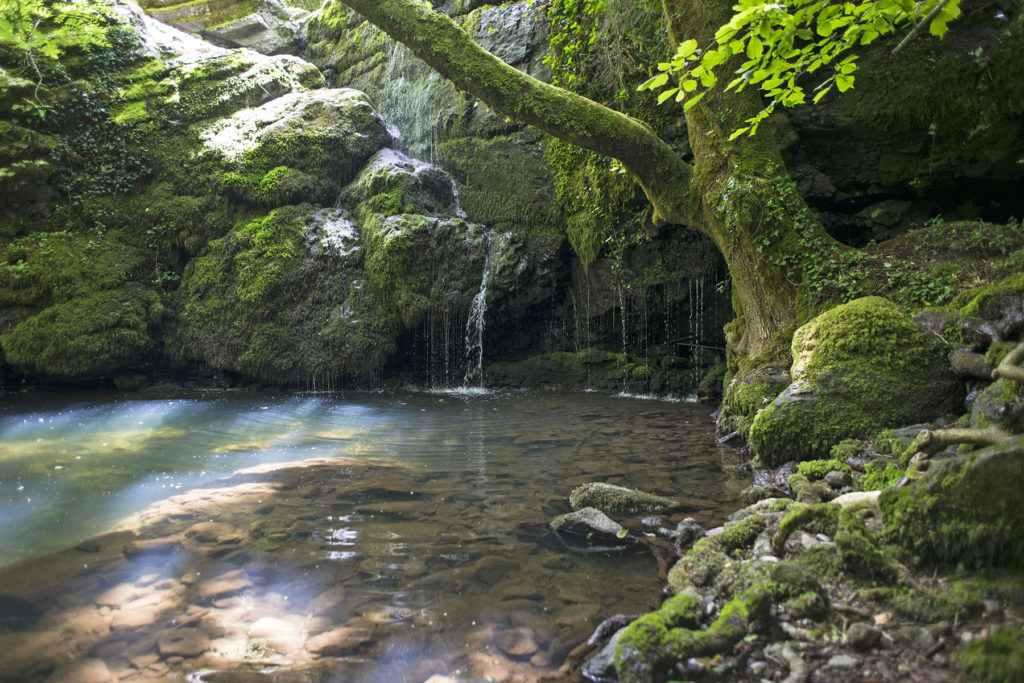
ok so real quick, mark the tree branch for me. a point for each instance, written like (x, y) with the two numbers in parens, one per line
(917, 29)
(443, 45)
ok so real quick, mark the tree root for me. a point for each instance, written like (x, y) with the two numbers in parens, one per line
(931, 442)
(1011, 368)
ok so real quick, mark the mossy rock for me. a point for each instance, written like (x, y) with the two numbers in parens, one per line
(88, 335)
(749, 392)
(392, 183)
(964, 509)
(619, 500)
(282, 298)
(1000, 404)
(857, 368)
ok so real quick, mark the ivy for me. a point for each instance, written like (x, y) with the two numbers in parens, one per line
(776, 47)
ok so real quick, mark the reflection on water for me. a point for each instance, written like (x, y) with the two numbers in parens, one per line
(414, 545)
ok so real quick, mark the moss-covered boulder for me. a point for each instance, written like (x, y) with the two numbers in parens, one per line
(302, 146)
(747, 393)
(619, 500)
(964, 509)
(590, 530)
(281, 298)
(857, 369)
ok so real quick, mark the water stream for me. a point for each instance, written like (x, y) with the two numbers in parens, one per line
(413, 543)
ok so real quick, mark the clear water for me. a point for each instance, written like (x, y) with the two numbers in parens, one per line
(420, 533)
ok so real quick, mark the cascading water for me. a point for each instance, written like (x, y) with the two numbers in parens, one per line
(475, 325)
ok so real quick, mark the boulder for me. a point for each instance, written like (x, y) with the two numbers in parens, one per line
(857, 368)
(590, 529)
(963, 509)
(619, 500)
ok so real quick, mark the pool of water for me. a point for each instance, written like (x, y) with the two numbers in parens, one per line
(376, 537)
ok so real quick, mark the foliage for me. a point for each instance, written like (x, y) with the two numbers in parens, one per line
(47, 30)
(776, 45)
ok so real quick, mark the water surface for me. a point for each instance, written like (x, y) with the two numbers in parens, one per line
(415, 544)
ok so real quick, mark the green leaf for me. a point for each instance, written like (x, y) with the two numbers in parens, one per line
(738, 132)
(754, 48)
(654, 82)
(694, 100)
(844, 82)
(666, 94)
(821, 93)
(689, 85)
(687, 48)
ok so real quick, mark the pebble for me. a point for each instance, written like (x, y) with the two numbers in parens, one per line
(862, 636)
(837, 479)
(517, 642)
(843, 662)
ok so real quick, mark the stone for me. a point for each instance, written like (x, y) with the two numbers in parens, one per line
(857, 368)
(185, 643)
(271, 28)
(518, 643)
(277, 634)
(619, 500)
(340, 642)
(601, 667)
(915, 637)
(686, 533)
(969, 365)
(82, 671)
(589, 528)
(223, 586)
(842, 662)
(837, 479)
(862, 636)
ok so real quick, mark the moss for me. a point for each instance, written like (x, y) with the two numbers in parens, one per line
(854, 368)
(996, 658)
(880, 474)
(861, 550)
(87, 335)
(1001, 404)
(707, 557)
(962, 510)
(986, 302)
(997, 352)
(817, 469)
(807, 491)
(747, 393)
(822, 518)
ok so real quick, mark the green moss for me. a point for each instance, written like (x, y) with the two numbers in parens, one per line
(854, 368)
(87, 334)
(705, 559)
(861, 550)
(996, 658)
(817, 469)
(879, 475)
(986, 302)
(1001, 404)
(822, 518)
(962, 510)
(747, 393)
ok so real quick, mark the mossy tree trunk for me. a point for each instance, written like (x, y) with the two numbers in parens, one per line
(735, 192)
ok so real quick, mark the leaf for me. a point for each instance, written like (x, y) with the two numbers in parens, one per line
(821, 94)
(754, 48)
(844, 82)
(694, 100)
(654, 82)
(738, 132)
(687, 48)
(666, 95)
(689, 85)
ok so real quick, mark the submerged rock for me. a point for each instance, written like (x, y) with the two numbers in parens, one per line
(619, 500)
(590, 529)
(857, 368)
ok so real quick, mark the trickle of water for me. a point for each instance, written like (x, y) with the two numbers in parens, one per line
(475, 326)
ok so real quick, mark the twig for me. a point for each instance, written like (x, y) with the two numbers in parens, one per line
(921, 24)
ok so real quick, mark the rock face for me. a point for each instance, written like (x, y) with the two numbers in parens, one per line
(857, 368)
(619, 500)
(267, 26)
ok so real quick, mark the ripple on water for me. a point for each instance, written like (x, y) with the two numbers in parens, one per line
(414, 546)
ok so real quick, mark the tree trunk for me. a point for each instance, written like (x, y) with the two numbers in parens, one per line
(736, 192)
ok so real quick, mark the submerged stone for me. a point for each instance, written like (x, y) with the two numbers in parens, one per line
(619, 500)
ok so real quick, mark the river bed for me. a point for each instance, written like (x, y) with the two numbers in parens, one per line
(357, 537)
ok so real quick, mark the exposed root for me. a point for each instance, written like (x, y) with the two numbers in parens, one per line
(1011, 368)
(931, 442)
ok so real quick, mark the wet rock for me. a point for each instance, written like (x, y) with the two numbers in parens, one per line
(277, 634)
(517, 643)
(82, 671)
(837, 479)
(492, 569)
(589, 528)
(1000, 404)
(862, 636)
(969, 365)
(686, 533)
(916, 638)
(601, 667)
(209, 532)
(339, 642)
(223, 586)
(185, 643)
(619, 500)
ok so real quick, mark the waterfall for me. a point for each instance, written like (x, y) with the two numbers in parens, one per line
(475, 326)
